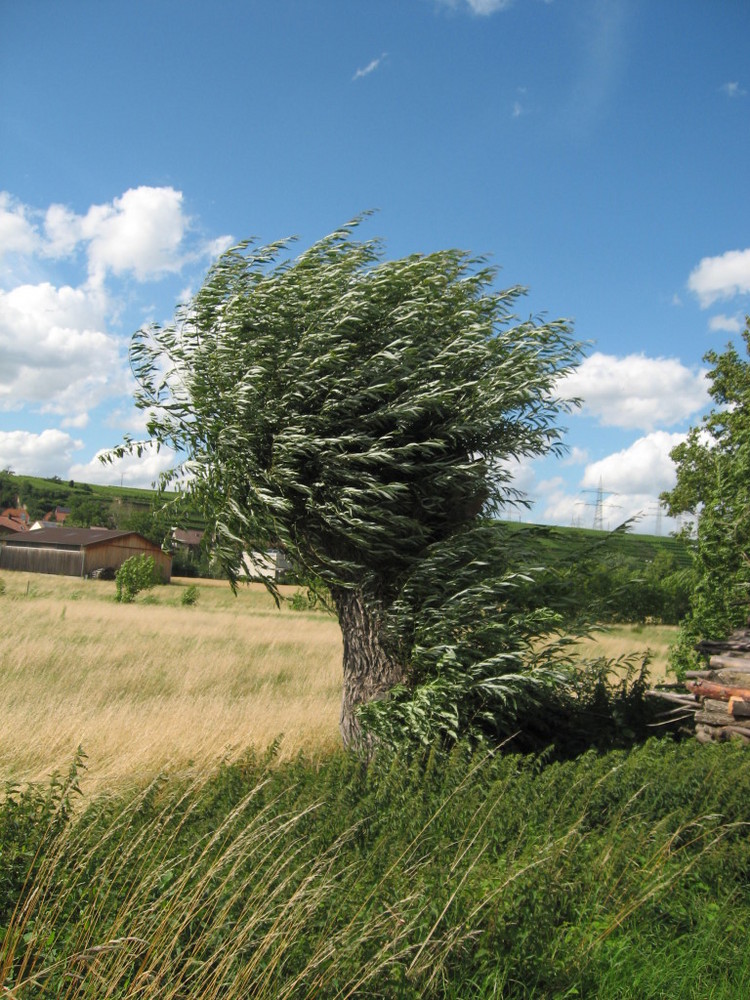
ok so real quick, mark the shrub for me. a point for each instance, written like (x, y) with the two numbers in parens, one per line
(136, 574)
(189, 596)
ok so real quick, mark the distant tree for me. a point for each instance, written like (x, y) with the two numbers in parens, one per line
(8, 489)
(86, 512)
(136, 574)
(153, 524)
(713, 488)
(361, 413)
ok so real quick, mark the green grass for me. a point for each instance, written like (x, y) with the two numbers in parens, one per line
(463, 875)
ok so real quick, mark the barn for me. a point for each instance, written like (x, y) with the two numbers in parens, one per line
(78, 551)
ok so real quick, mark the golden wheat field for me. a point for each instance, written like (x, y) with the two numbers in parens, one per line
(155, 685)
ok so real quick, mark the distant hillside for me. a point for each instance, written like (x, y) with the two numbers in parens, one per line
(564, 542)
(86, 502)
(44, 495)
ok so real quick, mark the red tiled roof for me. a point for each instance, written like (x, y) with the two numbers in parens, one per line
(9, 524)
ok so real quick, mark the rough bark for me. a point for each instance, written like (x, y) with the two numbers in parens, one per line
(370, 668)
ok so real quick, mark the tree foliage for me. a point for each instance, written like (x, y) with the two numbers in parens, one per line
(360, 413)
(713, 488)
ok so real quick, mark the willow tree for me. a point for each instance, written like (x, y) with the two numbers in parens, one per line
(354, 411)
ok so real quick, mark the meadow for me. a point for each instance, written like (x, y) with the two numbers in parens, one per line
(157, 685)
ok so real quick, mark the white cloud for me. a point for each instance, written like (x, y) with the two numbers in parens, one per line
(140, 233)
(576, 456)
(643, 469)
(733, 89)
(624, 486)
(215, 248)
(480, 7)
(130, 470)
(54, 352)
(484, 7)
(44, 454)
(17, 233)
(80, 420)
(369, 68)
(721, 277)
(636, 391)
(729, 324)
(63, 230)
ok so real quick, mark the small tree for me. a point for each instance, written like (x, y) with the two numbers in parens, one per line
(360, 413)
(713, 487)
(136, 574)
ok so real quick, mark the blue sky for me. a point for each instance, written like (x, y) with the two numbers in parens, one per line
(598, 151)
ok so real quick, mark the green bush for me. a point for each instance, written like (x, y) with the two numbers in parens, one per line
(189, 596)
(136, 574)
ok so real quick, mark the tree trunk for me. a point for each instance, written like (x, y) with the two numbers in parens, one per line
(370, 669)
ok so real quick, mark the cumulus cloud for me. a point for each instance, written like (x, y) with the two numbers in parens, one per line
(721, 277)
(636, 391)
(130, 470)
(644, 468)
(140, 233)
(44, 454)
(54, 351)
(624, 486)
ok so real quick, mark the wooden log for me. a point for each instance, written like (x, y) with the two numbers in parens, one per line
(689, 700)
(706, 734)
(739, 708)
(714, 713)
(695, 674)
(740, 663)
(732, 677)
(720, 692)
(742, 731)
(739, 640)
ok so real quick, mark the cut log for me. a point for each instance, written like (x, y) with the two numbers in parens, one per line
(741, 663)
(695, 674)
(714, 713)
(731, 677)
(720, 692)
(688, 700)
(739, 708)
(739, 640)
(707, 734)
(742, 731)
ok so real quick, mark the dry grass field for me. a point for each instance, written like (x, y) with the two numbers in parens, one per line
(151, 686)
(157, 686)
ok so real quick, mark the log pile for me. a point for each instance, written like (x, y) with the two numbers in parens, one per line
(723, 690)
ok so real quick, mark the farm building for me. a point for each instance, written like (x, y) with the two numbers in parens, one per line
(78, 551)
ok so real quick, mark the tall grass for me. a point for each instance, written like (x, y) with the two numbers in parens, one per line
(464, 875)
(151, 685)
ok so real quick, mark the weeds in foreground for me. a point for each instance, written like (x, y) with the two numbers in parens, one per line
(437, 875)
